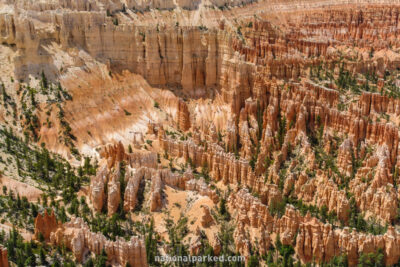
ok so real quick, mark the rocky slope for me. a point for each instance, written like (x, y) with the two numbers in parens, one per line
(266, 129)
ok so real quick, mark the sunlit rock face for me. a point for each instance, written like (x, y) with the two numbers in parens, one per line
(222, 126)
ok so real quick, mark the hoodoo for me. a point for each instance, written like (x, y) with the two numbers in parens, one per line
(159, 133)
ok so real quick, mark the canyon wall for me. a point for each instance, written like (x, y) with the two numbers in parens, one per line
(315, 240)
(243, 107)
(195, 58)
(142, 166)
(77, 237)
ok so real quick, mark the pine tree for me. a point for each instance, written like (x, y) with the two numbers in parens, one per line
(282, 130)
(44, 82)
(253, 261)
(101, 259)
(151, 243)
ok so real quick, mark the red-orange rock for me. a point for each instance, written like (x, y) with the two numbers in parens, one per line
(3, 257)
(183, 116)
(156, 192)
(45, 224)
(315, 240)
(206, 218)
(77, 236)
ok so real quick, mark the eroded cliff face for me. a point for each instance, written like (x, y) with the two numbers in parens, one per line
(77, 237)
(314, 239)
(196, 58)
(142, 167)
(229, 124)
(45, 224)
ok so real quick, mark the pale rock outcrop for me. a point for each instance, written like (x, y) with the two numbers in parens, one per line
(315, 240)
(113, 154)
(156, 192)
(222, 166)
(77, 236)
(132, 187)
(97, 188)
(379, 196)
(255, 70)
(215, 242)
(142, 159)
(345, 157)
(114, 192)
(206, 218)
(200, 186)
(109, 176)
(133, 179)
(195, 245)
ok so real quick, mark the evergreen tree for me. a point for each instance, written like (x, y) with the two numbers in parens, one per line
(44, 83)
